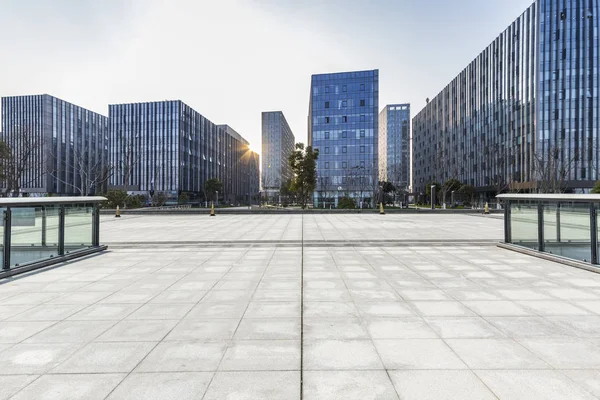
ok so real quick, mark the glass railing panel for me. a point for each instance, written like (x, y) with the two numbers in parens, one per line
(78, 227)
(524, 224)
(574, 239)
(34, 234)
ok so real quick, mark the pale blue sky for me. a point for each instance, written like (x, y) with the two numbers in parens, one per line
(232, 59)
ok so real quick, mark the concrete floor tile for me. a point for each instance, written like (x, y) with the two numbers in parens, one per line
(268, 329)
(204, 330)
(463, 327)
(71, 387)
(71, 332)
(587, 379)
(161, 311)
(138, 331)
(417, 354)
(325, 309)
(385, 309)
(527, 385)
(528, 326)
(334, 328)
(565, 353)
(112, 312)
(439, 385)
(273, 310)
(183, 356)
(495, 354)
(272, 385)
(163, 385)
(105, 357)
(399, 328)
(34, 358)
(348, 385)
(11, 384)
(217, 310)
(15, 332)
(497, 308)
(441, 308)
(340, 355)
(262, 355)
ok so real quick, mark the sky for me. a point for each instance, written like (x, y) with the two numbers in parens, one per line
(232, 59)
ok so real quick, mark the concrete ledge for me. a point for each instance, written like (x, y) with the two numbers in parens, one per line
(50, 261)
(206, 211)
(550, 257)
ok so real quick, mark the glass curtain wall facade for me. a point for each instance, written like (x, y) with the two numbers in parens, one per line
(61, 148)
(524, 113)
(278, 143)
(343, 126)
(168, 147)
(394, 145)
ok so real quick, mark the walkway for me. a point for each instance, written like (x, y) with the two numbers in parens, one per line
(248, 307)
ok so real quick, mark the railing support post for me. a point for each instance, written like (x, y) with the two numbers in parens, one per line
(96, 226)
(594, 233)
(507, 227)
(540, 226)
(44, 225)
(7, 229)
(558, 222)
(61, 230)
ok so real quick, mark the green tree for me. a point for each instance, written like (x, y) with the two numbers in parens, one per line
(449, 186)
(159, 199)
(116, 198)
(388, 187)
(467, 192)
(135, 201)
(303, 162)
(287, 193)
(596, 189)
(346, 203)
(212, 186)
(183, 198)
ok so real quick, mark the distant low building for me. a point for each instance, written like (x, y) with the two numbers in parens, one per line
(278, 143)
(166, 146)
(394, 145)
(57, 147)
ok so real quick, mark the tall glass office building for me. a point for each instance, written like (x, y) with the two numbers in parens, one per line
(63, 148)
(167, 146)
(525, 111)
(343, 125)
(394, 145)
(278, 143)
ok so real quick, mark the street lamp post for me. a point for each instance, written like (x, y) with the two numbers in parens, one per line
(217, 198)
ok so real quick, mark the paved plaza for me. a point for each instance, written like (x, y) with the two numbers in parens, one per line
(349, 307)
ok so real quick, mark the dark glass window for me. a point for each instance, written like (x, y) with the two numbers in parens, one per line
(344, 88)
(362, 102)
(326, 89)
(362, 86)
(326, 135)
(362, 118)
(326, 104)
(362, 133)
(344, 149)
(326, 120)
(362, 149)
(344, 103)
(344, 164)
(344, 119)
(344, 134)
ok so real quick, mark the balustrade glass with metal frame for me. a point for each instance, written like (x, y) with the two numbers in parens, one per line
(37, 232)
(560, 224)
